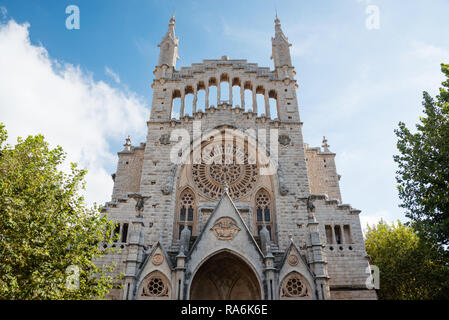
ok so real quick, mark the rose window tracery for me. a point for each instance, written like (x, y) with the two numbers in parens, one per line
(225, 163)
(294, 286)
(155, 286)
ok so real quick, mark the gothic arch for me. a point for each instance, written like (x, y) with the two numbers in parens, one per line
(263, 203)
(222, 275)
(155, 286)
(294, 286)
(186, 211)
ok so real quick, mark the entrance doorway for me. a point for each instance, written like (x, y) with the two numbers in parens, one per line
(225, 277)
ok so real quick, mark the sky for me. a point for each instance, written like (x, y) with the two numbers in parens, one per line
(87, 89)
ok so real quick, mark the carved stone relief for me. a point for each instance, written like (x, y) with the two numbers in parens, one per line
(165, 139)
(157, 259)
(293, 260)
(284, 139)
(168, 188)
(225, 228)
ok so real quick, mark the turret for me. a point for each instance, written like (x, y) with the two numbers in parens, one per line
(280, 47)
(169, 47)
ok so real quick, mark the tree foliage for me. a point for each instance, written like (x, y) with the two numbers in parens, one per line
(410, 267)
(45, 226)
(423, 167)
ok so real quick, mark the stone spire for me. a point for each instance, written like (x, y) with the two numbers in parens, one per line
(264, 238)
(185, 238)
(169, 46)
(325, 145)
(280, 46)
(127, 144)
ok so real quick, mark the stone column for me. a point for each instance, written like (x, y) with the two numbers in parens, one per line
(342, 235)
(195, 100)
(254, 101)
(267, 104)
(334, 241)
(218, 93)
(230, 93)
(179, 276)
(269, 276)
(183, 101)
(242, 97)
(206, 103)
(318, 262)
(134, 258)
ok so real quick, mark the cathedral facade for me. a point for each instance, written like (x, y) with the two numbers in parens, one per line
(224, 200)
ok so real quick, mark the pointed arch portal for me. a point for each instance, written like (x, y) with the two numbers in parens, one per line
(225, 276)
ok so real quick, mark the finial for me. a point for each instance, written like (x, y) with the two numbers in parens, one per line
(277, 21)
(268, 248)
(172, 20)
(325, 145)
(127, 144)
(225, 187)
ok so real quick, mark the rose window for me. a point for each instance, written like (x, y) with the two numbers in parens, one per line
(155, 287)
(294, 287)
(225, 164)
(222, 173)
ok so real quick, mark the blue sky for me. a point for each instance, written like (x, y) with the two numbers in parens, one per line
(355, 84)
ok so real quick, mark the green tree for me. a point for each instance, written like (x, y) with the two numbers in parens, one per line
(410, 267)
(423, 167)
(45, 226)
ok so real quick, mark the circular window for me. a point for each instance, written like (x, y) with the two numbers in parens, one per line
(155, 287)
(295, 287)
(224, 163)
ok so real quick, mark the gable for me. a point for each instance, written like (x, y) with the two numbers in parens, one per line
(225, 231)
(293, 261)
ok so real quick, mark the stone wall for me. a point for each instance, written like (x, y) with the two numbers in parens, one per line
(323, 177)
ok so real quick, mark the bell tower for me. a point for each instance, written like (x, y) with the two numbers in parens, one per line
(169, 47)
(162, 95)
(280, 47)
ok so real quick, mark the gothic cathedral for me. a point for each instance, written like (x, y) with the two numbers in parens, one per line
(224, 200)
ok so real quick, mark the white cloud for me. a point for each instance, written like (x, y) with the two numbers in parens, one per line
(41, 95)
(112, 74)
(426, 51)
(3, 12)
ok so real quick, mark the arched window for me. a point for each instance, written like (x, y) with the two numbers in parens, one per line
(201, 100)
(188, 101)
(213, 92)
(176, 105)
(263, 212)
(224, 88)
(273, 102)
(201, 96)
(260, 100)
(248, 96)
(155, 286)
(295, 287)
(187, 211)
(236, 93)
